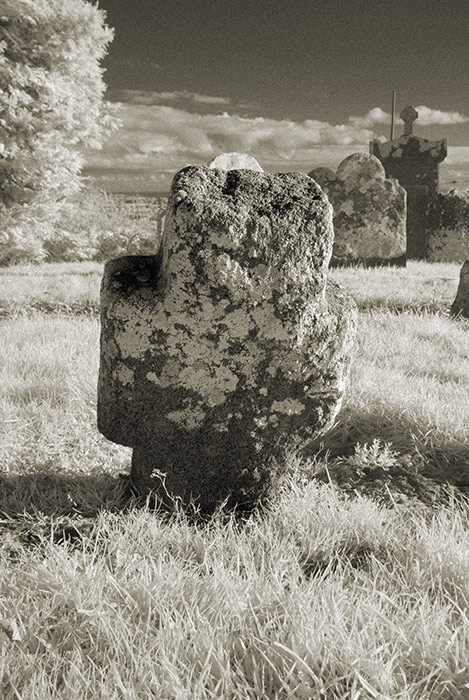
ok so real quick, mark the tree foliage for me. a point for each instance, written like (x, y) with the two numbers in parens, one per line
(92, 225)
(51, 102)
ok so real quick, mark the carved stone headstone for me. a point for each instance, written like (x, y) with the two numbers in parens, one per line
(230, 349)
(413, 161)
(235, 161)
(369, 212)
(460, 306)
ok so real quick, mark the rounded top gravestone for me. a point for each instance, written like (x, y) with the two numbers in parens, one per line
(360, 169)
(235, 161)
(369, 212)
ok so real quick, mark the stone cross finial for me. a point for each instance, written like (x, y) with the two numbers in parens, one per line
(408, 116)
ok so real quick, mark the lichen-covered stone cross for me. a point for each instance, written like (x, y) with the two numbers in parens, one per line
(230, 349)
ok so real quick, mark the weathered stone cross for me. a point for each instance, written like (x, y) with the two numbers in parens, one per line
(408, 116)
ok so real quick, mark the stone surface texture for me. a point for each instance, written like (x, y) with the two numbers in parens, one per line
(460, 305)
(230, 349)
(369, 212)
(448, 227)
(235, 161)
(414, 162)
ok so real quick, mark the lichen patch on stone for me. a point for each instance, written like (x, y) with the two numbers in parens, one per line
(288, 406)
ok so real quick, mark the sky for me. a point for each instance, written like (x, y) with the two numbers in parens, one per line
(298, 84)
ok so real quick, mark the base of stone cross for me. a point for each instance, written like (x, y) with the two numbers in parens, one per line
(202, 480)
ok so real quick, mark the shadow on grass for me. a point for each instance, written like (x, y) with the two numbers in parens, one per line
(440, 458)
(66, 506)
(63, 495)
(60, 507)
(65, 509)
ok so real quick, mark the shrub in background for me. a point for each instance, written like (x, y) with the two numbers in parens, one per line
(51, 107)
(91, 225)
(98, 226)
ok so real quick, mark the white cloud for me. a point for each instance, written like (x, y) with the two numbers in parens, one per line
(156, 139)
(457, 155)
(207, 99)
(429, 116)
(374, 116)
(150, 97)
(172, 131)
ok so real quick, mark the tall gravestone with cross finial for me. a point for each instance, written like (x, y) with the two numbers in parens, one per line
(413, 161)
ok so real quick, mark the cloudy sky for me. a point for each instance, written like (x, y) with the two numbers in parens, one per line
(295, 83)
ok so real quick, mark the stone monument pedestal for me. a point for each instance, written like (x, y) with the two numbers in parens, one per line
(413, 161)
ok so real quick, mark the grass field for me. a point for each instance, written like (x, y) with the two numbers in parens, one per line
(352, 584)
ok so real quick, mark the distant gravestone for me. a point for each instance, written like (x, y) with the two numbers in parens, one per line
(460, 305)
(413, 161)
(448, 227)
(369, 212)
(360, 170)
(230, 349)
(235, 161)
(323, 176)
